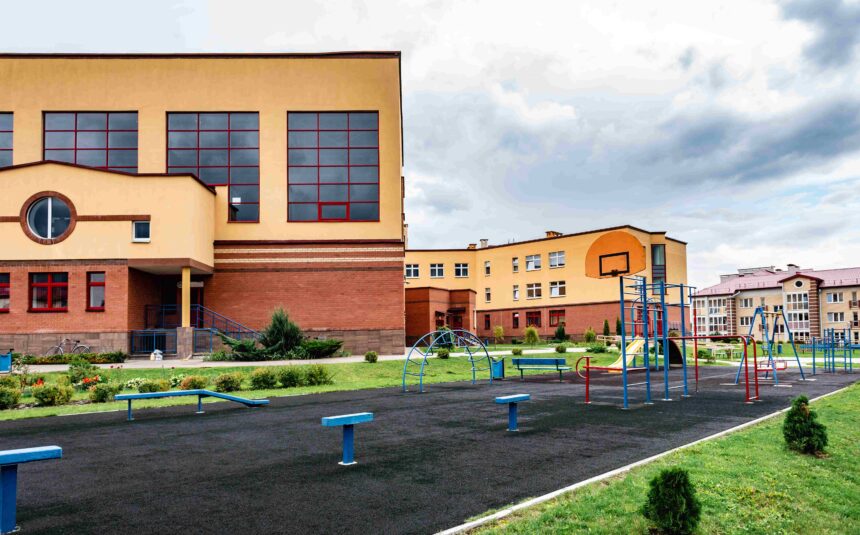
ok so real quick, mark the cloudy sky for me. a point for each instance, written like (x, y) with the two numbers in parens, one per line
(732, 125)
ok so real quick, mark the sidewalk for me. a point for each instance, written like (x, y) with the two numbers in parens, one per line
(142, 364)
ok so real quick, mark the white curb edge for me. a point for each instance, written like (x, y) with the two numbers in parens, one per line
(462, 528)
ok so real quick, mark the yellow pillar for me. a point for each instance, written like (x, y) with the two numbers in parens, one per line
(186, 297)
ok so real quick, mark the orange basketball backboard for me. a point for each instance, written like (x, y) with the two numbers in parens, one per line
(614, 254)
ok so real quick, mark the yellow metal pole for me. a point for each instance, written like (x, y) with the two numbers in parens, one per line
(186, 297)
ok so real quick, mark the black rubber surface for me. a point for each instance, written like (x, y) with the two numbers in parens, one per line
(426, 463)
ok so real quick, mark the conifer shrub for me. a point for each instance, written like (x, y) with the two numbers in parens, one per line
(605, 327)
(560, 333)
(371, 357)
(801, 429)
(672, 506)
(531, 336)
(443, 353)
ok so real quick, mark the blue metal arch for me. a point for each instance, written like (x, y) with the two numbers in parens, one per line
(416, 358)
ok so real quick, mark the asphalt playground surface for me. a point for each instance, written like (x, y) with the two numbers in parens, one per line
(426, 463)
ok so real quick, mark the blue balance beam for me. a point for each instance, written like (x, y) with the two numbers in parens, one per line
(9, 461)
(512, 401)
(348, 421)
(199, 393)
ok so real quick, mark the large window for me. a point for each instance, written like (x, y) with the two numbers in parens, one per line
(533, 319)
(658, 263)
(222, 149)
(96, 291)
(437, 271)
(835, 297)
(556, 259)
(411, 271)
(5, 139)
(5, 292)
(333, 163)
(461, 270)
(105, 140)
(49, 292)
(746, 302)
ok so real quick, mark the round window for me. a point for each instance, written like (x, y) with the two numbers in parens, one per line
(49, 217)
(798, 284)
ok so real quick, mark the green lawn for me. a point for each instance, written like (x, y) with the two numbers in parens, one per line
(748, 482)
(349, 376)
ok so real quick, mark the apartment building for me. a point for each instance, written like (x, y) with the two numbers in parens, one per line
(176, 194)
(538, 282)
(813, 300)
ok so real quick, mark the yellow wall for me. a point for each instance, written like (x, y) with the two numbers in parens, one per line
(175, 233)
(580, 289)
(271, 86)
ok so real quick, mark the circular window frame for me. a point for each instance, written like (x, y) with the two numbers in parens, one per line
(25, 225)
(798, 283)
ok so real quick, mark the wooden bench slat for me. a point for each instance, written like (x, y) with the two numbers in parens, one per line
(26, 455)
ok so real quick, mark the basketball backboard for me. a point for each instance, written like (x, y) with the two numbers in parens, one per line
(614, 254)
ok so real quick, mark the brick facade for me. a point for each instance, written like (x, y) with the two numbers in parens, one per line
(814, 308)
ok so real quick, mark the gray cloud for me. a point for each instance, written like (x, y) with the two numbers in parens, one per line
(837, 29)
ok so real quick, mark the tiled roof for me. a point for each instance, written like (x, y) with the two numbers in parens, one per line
(764, 279)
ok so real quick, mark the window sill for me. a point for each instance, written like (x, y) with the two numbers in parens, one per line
(557, 267)
(47, 310)
(140, 241)
(95, 309)
(535, 269)
(531, 298)
(460, 277)
(257, 221)
(556, 296)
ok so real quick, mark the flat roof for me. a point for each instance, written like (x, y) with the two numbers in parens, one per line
(202, 55)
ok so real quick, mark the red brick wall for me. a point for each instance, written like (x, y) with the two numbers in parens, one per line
(422, 304)
(143, 289)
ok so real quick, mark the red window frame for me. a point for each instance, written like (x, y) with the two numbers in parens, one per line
(533, 318)
(50, 285)
(95, 284)
(6, 289)
(515, 320)
(230, 183)
(348, 204)
(106, 131)
(4, 148)
(555, 316)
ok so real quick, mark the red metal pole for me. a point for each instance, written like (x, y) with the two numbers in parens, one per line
(587, 378)
(747, 372)
(696, 345)
(755, 366)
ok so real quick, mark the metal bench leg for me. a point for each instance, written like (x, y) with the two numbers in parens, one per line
(8, 494)
(512, 417)
(560, 380)
(130, 417)
(348, 445)
(199, 404)
(522, 378)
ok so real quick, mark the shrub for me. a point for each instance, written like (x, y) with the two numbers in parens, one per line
(297, 353)
(103, 393)
(445, 338)
(703, 354)
(589, 335)
(228, 382)
(135, 382)
(672, 505)
(516, 341)
(560, 333)
(596, 348)
(605, 327)
(194, 382)
(80, 369)
(322, 349)
(176, 380)
(618, 326)
(443, 353)
(113, 357)
(49, 396)
(530, 335)
(801, 429)
(674, 333)
(291, 376)
(263, 378)
(219, 355)
(246, 350)
(281, 335)
(10, 381)
(561, 348)
(371, 357)
(516, 352)
(318, 375)
(9, 397)
(498, 334)
(153, 385)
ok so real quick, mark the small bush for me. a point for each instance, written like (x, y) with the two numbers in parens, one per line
(531, 336)
(10, 381)
(291, 376)
(281, 336)
(102, 393)
(263, 378)
(498, 334)
(9, 397)
(176, 380)
(605, 327)
(218, 356)
(134, 383)
(371, 357)
(516, 352)
(443, 353)
(801, 429)
(321, 349)
(113, 357)
(318, 375)
(228, 382)
(672, 505)
(247, 350)
(154, 385)
(194, 382)
(590, 335)
(297, 353)
(596, 348)
(49, 396)
(560, 333)
(561, 348)
(704, 354)
(79, 369)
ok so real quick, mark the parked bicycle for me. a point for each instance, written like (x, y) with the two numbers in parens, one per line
(66, 347)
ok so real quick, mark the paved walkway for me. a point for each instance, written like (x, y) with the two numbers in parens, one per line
(142, 364)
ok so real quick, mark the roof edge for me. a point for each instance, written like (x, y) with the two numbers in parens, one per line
(202, 55)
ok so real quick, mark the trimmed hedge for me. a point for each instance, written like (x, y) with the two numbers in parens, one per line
(154, 385)
(194, 382)
(51, 395)
(229, 382)
(263, 378)
(114, 357)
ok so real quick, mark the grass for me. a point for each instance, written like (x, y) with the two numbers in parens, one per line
(748, 482)
(347, 376)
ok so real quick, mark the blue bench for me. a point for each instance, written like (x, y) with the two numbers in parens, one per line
(199, 393)
(559, 365)
(348, 422)
(9, 461)
(512, 402)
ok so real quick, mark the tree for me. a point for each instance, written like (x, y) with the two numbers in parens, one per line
(560, 333)
(605, 327)
(530, 335)
(498, 334)
(672, 505)
(618, 326)
(801, 429)
(281, 335)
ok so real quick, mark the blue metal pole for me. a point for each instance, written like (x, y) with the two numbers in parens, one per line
(813, 355)
(8, 496)
(130, 417)
(199, 404)
(665, 335)
(348, 445)
(512, 417)
(683, 339)
(643, 293)
(623, 341)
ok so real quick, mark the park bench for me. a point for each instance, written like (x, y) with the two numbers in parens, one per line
(512, 402)
(199, 393)
(9, 461)
(348, 421)
(557, 364)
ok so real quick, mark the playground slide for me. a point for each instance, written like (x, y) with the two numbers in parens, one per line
(634, 348)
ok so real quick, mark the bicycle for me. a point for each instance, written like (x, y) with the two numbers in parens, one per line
(60, 349)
